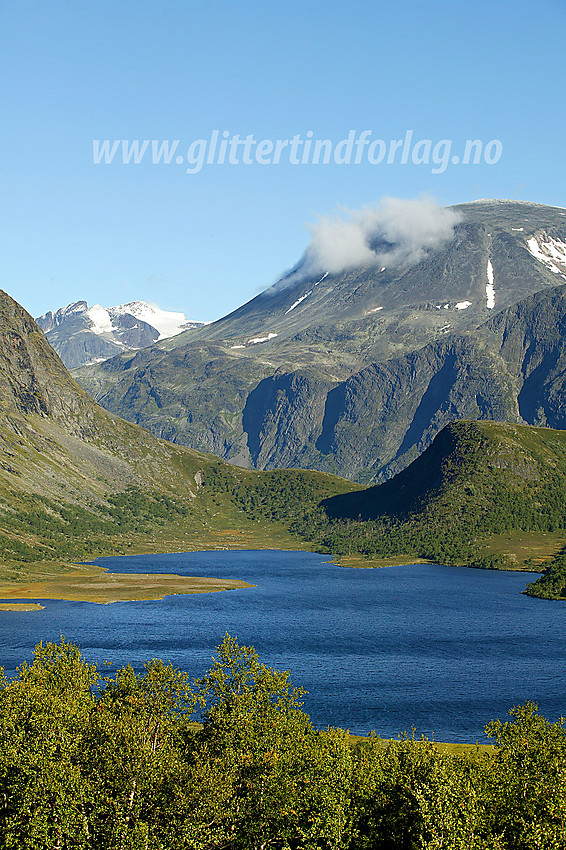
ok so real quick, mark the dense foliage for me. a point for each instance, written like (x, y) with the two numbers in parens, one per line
(281, 495)
(46, 529)
(552, 584)
(118, 762)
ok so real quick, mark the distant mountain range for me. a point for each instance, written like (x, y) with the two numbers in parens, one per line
(355, 371)
(82, 335)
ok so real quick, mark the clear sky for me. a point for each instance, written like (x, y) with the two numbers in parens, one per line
(205, 242)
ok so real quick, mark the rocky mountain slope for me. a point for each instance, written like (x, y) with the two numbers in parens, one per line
(81, 334)
(355, 371)
(76, 481)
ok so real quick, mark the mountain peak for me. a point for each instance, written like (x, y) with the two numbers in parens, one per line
(82, 335)
(356, 371)
(166, 322)
(507, 201)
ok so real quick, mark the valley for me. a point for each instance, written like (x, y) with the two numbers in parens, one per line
(78, 482)
(282, 426)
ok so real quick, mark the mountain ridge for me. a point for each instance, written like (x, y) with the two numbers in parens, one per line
(76, 481)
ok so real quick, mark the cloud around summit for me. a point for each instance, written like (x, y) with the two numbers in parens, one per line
(393, 233)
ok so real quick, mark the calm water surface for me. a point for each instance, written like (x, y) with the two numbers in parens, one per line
(442, 649)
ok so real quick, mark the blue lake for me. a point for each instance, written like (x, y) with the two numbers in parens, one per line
(442, 649)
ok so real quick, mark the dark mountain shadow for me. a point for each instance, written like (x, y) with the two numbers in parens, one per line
(434, 397)
(333, 408)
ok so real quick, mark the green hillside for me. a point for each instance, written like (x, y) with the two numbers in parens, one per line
(485, 494)
(77, 482)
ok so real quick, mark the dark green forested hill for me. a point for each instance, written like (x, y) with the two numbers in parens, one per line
(481, 476)
(477, 481)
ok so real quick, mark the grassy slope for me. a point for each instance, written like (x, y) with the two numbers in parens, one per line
(166, 499)
(76, 482)
(485, 493)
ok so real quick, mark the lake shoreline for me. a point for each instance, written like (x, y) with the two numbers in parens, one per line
(85, 581)
(410, 642)
(88, 582)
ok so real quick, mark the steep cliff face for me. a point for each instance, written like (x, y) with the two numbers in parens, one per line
(32, 378)
(355, 373)
(530, 338)
(511, 369)
(386, 414)
(282, 415)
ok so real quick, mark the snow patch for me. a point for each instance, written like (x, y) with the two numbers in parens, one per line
(261, 339)
(166, 322)
(96, 360)
(463, 305)
(322, 278)
(237, 346)
(549, 251)
(489, 288)
(517, 228)
(298, 301)
(375, 310)
(100, 318)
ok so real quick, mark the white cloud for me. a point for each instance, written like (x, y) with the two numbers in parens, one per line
(393, 233)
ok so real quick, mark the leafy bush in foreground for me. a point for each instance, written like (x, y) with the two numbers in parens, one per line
(118, 762)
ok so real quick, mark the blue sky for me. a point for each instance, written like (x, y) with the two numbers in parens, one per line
(74, 72)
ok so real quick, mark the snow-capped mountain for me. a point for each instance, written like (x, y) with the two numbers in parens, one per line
(82, 335)
(166, 322)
